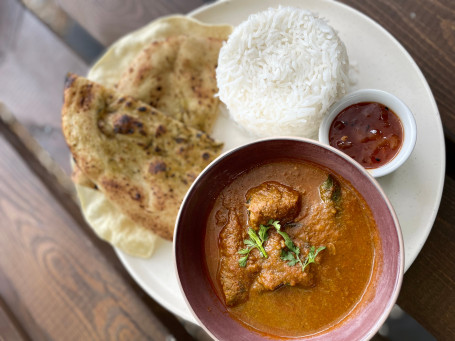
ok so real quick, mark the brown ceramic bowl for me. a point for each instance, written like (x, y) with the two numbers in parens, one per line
(361, 323)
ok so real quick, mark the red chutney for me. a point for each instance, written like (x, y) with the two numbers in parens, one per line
(369, 132)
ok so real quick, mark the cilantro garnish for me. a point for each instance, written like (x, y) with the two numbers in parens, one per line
(255, 241)
(293, 258)
(290, 255)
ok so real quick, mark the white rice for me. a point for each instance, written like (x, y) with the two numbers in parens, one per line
(280, 71)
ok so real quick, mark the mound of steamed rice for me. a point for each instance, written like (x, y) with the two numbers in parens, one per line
(280, 71)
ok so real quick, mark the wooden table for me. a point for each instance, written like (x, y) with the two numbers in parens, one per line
(58, 281)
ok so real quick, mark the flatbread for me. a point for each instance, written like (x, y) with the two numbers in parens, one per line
(112, 68)
(142, 160)
(113, 226)
(177, 76)
(80, 178)
(108, 70)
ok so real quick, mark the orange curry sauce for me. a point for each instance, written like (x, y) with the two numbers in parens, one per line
(341, 274)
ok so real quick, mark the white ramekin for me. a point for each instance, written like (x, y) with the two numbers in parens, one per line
(390, 101)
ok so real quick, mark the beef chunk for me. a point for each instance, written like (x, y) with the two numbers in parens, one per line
(235, 280)
(272, 200)
(260, 274)
(275, 272)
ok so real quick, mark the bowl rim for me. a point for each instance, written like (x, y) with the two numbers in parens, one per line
(400, 273)
(398, 107)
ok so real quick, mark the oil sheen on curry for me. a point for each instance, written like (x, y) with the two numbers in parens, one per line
(290, 248)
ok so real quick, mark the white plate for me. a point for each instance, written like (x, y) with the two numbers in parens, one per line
(415, 189)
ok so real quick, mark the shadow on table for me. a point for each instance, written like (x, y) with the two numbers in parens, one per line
(401, 327)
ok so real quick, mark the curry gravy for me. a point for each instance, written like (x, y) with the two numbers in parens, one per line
(340, 274)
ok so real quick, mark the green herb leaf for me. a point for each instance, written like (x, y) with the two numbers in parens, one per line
(263, 232)
(312, 256)
(289, 243)
(249, 242)
(336, 195)
(289, 256)
(244, 251)
(292, 256)
(292, 259)
(328, 183)
(276, 224)
(242, 261)
(254, 237)
(330, 190)
(255, 241)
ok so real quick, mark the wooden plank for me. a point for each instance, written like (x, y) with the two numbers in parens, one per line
(68, 30)
(34, 72)
(51, 14)
(10, 328)
(427, 30)
(428, 292)
(56, 280)
(108, 20)
(37, 157)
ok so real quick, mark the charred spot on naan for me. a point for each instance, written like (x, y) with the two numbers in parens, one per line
(177, 76)
(124, 124)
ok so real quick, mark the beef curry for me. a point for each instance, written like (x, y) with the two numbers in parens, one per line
(290, 248)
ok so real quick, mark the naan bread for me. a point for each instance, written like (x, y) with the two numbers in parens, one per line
(115, 64)
(177, 76)
(142, 160)
(108, 70)
(113, 226)
(80, 178)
